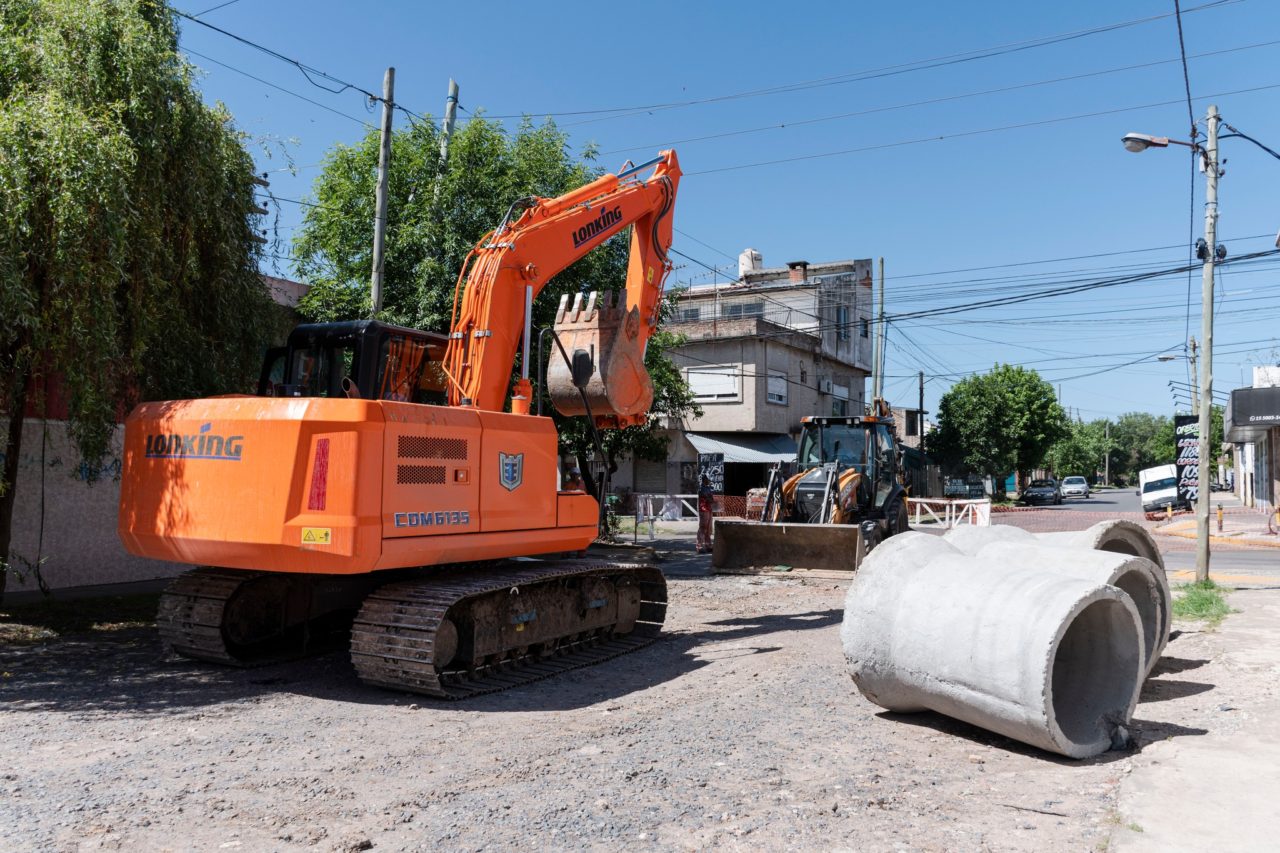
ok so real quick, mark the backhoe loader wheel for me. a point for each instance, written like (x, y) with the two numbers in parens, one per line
(897, 517)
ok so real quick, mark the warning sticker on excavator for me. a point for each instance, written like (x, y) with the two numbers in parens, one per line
(317, 536)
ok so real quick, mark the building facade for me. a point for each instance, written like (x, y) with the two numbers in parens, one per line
(760, 354)
(1252, 426)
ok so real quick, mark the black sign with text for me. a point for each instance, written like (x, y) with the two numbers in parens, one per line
(1186, 439)
(712, 464)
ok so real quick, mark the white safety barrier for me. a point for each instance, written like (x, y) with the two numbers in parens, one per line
(953, 512)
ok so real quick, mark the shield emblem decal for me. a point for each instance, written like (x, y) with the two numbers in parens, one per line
(510, 470)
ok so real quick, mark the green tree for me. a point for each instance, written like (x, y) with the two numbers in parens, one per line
(435, 217)
(128, 268)
(1080, 451)
(999, 422)
(1140, 440)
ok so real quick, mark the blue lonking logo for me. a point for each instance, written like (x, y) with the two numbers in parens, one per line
(200, 445)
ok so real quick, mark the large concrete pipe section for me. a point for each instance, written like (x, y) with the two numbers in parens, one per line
(1129, 565)
(1134, 575)
(1123, 537)
(1034, 654)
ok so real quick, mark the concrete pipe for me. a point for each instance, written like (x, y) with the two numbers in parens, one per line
(1124, 537)
(1134, 575)
(1034, 654)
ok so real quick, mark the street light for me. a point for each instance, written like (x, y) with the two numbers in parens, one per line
(1139, 142)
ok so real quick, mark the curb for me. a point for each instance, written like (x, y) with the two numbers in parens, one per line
(1168, 530)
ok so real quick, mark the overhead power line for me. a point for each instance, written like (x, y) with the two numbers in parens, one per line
(276, 87)
(961, 134)
(931, 101)
(310, 72)
(872, 73)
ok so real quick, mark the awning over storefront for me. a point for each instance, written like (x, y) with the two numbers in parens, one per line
(745, 446)
(1250, 413)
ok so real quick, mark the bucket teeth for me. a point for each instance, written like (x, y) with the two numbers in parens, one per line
(599, 323)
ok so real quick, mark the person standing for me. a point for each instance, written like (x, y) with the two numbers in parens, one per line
(706, 497)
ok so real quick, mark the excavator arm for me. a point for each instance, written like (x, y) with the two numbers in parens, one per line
(540, 237)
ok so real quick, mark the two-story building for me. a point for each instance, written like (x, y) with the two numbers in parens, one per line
(761, 353)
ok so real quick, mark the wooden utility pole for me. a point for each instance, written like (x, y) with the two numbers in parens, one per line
(380, 195)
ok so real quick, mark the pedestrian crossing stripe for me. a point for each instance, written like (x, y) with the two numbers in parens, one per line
(317, 535)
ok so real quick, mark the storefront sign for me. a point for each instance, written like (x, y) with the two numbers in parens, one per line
(1186, 432)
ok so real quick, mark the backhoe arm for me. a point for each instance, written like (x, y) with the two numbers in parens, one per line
(511, 266)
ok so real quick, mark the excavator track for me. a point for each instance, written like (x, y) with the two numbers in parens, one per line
(246, 618)
(457, 634)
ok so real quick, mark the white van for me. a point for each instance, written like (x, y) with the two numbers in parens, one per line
(1158, 488)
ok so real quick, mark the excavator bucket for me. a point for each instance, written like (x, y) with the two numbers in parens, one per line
(753, 547)
(619, 390)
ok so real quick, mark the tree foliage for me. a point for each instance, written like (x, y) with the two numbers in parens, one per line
(998, 422)
(1080, 451)
(436, 215)
(127, 264)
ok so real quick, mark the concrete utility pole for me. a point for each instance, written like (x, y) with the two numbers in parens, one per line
(380, 195)
(920, 414)
(446, 126)
(1106, 454)
(877, 361)
(1195, 382)
(1206, 340)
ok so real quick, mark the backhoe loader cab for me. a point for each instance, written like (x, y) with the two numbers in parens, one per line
(844, 500)
(837, 448)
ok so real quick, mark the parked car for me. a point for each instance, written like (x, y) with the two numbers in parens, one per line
(1041, 492)
(1075, 487)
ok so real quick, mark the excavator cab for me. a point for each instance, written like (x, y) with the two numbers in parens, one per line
(360, 359)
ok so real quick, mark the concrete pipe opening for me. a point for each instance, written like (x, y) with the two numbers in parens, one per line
(1095, 666)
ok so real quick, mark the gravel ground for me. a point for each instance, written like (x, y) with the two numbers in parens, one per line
(739, 730)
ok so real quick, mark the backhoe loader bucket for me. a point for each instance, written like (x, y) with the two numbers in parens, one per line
(619, 391)
(753, 547)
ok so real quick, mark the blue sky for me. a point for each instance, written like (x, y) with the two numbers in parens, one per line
(961, 205)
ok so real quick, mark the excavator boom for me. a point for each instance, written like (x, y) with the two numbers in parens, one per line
(540, 237)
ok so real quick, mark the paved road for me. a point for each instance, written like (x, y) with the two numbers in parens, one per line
(1107, 500)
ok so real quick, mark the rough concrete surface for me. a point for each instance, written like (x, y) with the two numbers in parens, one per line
(1003, 639)
(739, 730)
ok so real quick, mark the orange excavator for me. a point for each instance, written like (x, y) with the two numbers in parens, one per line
(380, 486)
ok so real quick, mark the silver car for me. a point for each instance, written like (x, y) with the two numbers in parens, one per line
(1075, 487)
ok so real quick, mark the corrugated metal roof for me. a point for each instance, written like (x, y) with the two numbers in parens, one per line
(745, 446)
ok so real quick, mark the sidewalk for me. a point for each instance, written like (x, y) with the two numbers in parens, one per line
(1215, 786)
(1240, 526)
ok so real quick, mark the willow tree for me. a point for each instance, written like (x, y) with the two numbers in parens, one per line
(128, 267)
